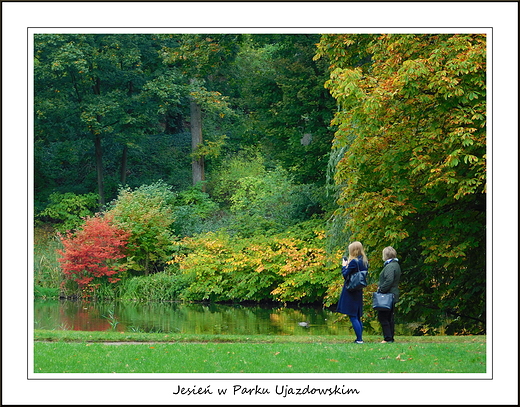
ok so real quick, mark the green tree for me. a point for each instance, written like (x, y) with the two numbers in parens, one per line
(202, 59)
(411, 161)
(278, 88)
(91, 86)
(68, 210)
(101, 100)
(147, 214)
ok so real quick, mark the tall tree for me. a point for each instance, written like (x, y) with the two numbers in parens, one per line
(90, 86)
(279, 88)
(197, 166)
(202, 58)
(411, 171)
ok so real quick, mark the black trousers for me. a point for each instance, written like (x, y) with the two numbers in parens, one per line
(386, 319)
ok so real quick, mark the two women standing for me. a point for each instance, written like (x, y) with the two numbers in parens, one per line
(351, 302)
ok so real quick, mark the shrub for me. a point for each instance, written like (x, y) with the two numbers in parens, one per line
(289, 267)
(269, 204)
(90, 256)
(263, 204)
(222, 269)
(223, 183)
(262, 200)
(161, 286)
(68, 210)
(147, 213)
(193, 208)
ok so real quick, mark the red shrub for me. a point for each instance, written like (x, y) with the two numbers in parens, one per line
(91, 253)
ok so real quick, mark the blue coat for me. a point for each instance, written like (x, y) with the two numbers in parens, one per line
(351, 302)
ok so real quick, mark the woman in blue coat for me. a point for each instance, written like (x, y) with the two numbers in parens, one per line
(351, 302)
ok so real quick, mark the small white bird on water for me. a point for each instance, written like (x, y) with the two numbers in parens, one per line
(304, 324)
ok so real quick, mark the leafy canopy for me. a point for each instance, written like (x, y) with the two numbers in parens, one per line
(411, 168)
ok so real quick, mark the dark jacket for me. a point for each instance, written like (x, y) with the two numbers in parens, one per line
(351, 302)
(389, 279)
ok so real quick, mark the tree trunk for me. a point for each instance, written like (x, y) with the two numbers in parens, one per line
(146, 266)
(99, 169)
(96, 88)
(124, 159)
(197, 165)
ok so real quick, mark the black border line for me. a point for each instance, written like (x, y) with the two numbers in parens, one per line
(488, 295)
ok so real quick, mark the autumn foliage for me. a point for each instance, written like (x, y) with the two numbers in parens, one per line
(90, 255)
(407, 168)
(291, 266)
(410, 160)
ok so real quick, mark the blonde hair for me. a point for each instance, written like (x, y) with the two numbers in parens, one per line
(389, 253)
(355, 249)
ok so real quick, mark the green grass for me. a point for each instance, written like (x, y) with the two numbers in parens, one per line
(114, 352)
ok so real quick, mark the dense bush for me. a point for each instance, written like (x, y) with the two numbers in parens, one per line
(193, 208)
(90, 255)
(259, 198)
(289, 267)
(67, 211)
(223, 180)
(252, 247)
(147, 214)
(256, 249)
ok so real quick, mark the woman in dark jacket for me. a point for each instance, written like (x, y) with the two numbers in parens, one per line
(389, 283)
(351, 302)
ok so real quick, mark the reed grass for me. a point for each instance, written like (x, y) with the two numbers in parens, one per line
(47, 271)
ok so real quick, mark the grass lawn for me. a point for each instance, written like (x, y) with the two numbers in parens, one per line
(115, 352)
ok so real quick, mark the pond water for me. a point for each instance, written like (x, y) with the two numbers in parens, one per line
(188, 318)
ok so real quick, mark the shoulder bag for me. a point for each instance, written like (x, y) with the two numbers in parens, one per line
(382, 302)
(358, 280)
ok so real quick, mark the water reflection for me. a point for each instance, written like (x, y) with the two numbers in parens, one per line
(190, 318)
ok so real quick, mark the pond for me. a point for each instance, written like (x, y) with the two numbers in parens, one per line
(190, 318)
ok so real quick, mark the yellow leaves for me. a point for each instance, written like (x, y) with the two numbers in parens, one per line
(320, 234)
(285, 268)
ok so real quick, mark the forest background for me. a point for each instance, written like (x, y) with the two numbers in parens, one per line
(239, 167)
